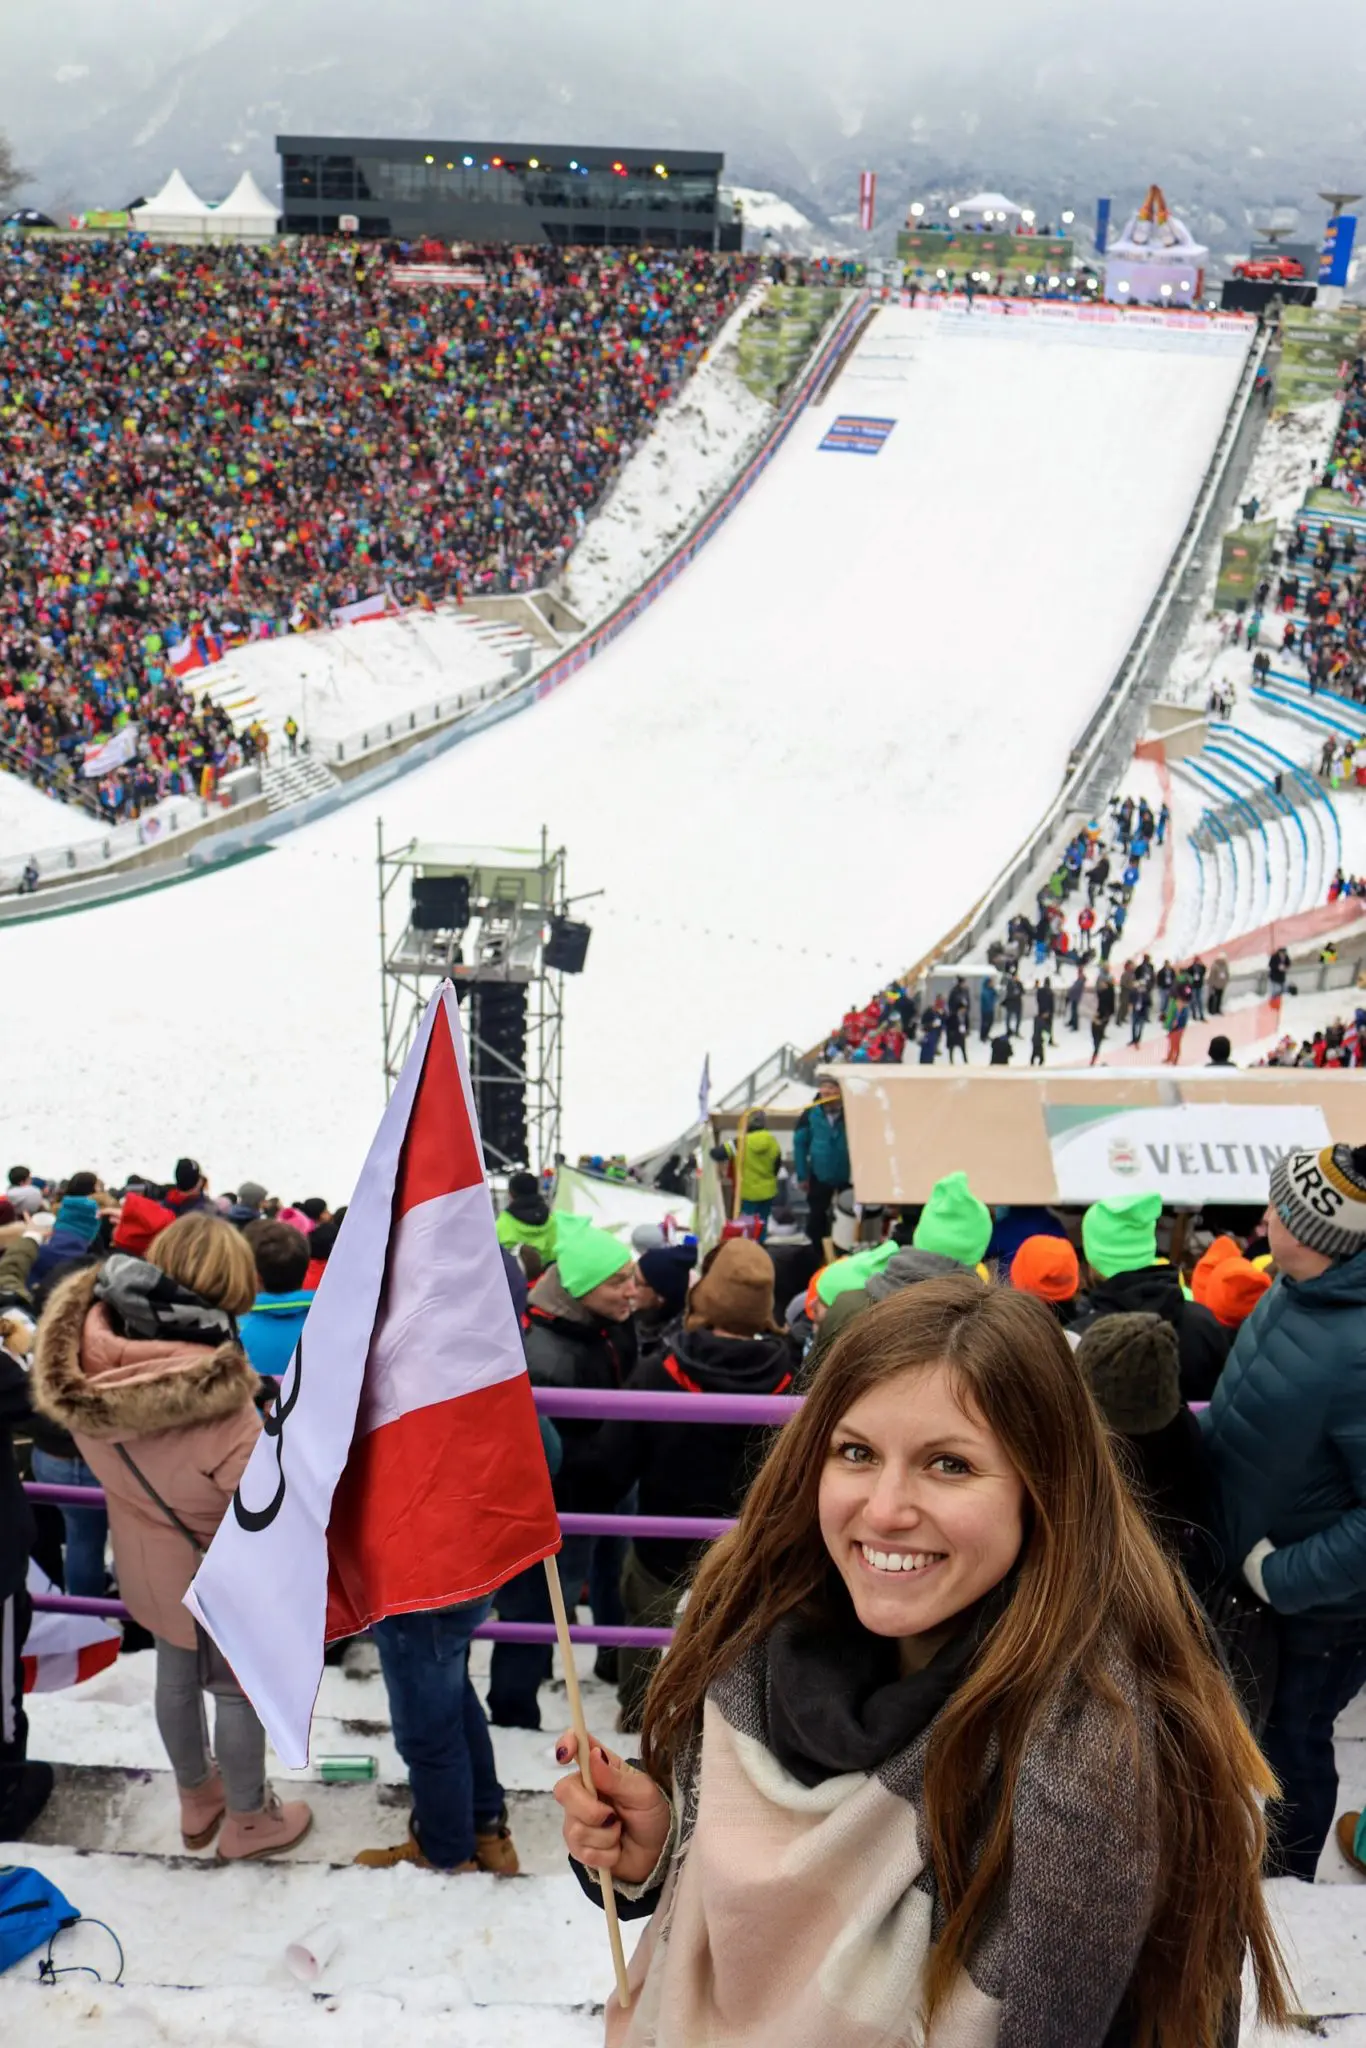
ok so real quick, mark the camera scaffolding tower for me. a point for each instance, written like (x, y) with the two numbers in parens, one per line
(501, 902)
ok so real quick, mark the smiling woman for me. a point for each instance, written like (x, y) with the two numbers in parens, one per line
(941, 1753)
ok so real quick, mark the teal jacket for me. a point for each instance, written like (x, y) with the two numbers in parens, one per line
(1286, 1431)
(270, 1330)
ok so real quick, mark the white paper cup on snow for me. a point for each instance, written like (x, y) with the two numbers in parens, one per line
(310, 1955)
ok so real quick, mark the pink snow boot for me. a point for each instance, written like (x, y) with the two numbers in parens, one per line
(201, 1809)
(274, 1828)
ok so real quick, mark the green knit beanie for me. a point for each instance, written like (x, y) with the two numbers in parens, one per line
(586, 1256)
(954, 1223)
(842, 1275)
(1120, 1236)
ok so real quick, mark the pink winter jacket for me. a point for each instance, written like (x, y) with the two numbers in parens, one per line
(184, 1414)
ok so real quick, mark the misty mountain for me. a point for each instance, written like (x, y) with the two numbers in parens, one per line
(1234, 116)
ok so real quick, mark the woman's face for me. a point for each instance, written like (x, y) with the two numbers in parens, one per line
(919, 1506)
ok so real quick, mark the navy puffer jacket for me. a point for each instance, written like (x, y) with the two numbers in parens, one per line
(1286, 1431)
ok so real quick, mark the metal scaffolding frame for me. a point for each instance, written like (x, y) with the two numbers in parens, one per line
(514, 893)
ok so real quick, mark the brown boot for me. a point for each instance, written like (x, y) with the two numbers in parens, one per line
(201, 1809)
(494, 1850)
(1346, 1832)
(407, 1851)
(273, 1828)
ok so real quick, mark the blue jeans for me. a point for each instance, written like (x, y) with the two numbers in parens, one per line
(86, 1528)
(1322, 1667)
(440, 1728)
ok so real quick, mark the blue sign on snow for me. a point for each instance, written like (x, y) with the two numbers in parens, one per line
(854, 434)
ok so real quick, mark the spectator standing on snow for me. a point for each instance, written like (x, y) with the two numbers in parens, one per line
(986, 1005)
(1075, 995)
(956, 1024)
(1175, 1017)
(1277, 974)
(1220, 975)
(1044, 1005)
(1012, 994)
(139, 1359)
(1104, 1013)
(761, 1157)
(820, 1152)
(1141, 1005)
(1286, 1432)
(526, 1218)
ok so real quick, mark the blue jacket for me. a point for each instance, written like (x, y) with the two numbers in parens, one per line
(270, 1330)
(820, 1148)
(1286, 1431)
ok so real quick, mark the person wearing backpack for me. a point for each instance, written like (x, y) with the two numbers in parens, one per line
(140, 1360)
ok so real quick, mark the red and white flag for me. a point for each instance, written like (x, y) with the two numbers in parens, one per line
(402, 1469)
(64, 1649)
(186, 656)
(867, 199)
(377, 606)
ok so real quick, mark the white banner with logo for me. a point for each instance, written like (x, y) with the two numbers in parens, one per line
(114, 752)
(1186, 1152)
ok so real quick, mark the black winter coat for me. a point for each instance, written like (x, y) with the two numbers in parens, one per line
(683, 1468)
(568, 1346)
(1202, 1340)
(17, 1530)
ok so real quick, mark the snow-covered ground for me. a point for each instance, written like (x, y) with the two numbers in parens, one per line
(702, 441)
(335, 685)
(29, 818)
(790, 777)
(469, 1962)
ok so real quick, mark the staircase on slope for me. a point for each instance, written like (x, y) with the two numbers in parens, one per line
(291, 780)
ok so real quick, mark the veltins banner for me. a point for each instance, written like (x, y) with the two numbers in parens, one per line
(1186, 1152)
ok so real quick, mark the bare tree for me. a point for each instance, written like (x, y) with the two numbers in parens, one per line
(12, 175)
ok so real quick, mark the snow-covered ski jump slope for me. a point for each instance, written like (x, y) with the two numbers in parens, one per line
(789, 777)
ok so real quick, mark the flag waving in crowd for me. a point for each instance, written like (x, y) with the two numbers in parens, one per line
(402, 1467)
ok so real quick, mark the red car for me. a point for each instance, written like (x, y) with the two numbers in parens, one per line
(1271, 270)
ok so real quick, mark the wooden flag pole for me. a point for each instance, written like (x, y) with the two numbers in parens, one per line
(580, 1727)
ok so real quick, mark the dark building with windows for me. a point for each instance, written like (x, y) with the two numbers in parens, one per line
(504, 192)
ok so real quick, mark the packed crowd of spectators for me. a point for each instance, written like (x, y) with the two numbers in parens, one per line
(1320, 592)
(1339, 1044)
(168, 1285)
(225, 443)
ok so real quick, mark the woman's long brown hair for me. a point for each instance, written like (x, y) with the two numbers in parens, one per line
(1092, 1582)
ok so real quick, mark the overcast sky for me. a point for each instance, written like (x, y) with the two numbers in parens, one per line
(98, 95)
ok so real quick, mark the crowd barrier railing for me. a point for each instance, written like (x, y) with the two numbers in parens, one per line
(744, 1411)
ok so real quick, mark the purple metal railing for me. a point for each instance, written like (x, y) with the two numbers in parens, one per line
(743, 1410)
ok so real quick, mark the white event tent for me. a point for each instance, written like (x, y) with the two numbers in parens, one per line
(176, 212)
(984, 209)
(246, 215)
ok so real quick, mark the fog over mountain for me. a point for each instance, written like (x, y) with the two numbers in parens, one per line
(1235, 112)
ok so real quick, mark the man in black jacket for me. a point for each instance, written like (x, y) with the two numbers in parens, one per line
(1126, 1277)
(578, 1334)
(24, 1787)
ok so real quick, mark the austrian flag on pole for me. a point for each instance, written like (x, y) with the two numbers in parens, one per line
(402, 1468)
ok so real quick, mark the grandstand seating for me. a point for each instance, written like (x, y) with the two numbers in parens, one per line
(1291, 696)
(1261, 853)
(205, 445)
